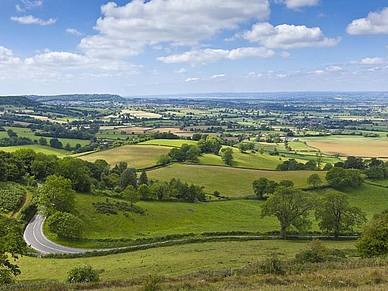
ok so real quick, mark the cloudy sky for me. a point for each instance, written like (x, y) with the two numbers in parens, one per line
(189, 46)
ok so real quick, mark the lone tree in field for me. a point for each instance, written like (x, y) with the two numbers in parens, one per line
(314, 180)
(263, 186)
(291, 207)
(336, 216)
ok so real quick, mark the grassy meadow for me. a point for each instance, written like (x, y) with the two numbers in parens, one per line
(138, 156)
(230, 182)
(39, 149)
(171, 261)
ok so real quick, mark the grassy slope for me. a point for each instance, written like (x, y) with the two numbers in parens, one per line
(135, 156)
(39, 149)
(230, 182)
(169, 142)
(167, 261)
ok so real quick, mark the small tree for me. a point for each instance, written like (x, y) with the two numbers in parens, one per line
(336, 215)
(263, 186)
(131, 194)
(314, 180)
(291, 207)
(143, 179)
(227, 155)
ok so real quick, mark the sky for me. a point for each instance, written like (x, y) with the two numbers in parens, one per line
(161, 47)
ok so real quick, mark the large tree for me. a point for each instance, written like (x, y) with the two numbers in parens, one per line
(11, 242)
(227, 155)
(56, 194)
(65, 225)
(291, 207)
(374, 238)
(336, 216)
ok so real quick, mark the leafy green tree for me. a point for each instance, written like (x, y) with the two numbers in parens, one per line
(75, 170)
(144, 192)
(55, 143)
(128, 177)
(143, 178)
(291, 207)
(131, 194)
(263, 186)
(56, 194)
(160, 190)
(314, 180)
(336, 216)
(11, 242)
(374, 238)
(210, 144)
(340, 178)
(44, 165)
(83, 274)
(65, 225)
(227, 155)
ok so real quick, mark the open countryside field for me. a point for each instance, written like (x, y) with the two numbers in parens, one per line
(39, 149)
(350, 145)
(230, 182)
(139, 156)
(169, 142)
(172, 261)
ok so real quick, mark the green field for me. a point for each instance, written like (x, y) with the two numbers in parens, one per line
(172, 261)
(230, 182)
(39, 149)
(136, 156)
(169, 142)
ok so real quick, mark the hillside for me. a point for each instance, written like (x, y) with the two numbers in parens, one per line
(79, 99)
(18, 101)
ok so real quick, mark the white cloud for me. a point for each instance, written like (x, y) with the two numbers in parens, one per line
(19, 8)
(288, 36)
(214, 55)
(141, 23)
(218, 76)
(6, 57)
(296, 4)
(73, 31)
(319, 72)
(192, 80)
(30, 4)
(29, 19)
(374, 23)
(57, 59)
(369, 61)
(180, 71)
(334, 69)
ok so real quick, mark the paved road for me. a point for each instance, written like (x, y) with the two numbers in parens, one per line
(34, 237)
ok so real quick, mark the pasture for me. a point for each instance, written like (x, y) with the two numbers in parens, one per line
(350, 145)
(230, 182)
(169, 142)
(136, 156)
(171, 261)
(47, 150)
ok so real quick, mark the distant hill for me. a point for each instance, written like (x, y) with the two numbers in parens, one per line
(18, 101)
(79, 99)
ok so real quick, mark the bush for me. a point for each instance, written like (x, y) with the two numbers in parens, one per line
(272, 265)
(82, 274)
(317, 252)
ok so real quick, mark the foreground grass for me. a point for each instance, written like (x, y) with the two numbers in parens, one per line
(170, 261)
(230, 182)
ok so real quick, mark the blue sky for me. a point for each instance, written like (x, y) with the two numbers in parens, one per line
(191, 46)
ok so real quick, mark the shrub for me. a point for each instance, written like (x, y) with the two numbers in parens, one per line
(317, 252)
(272, 265)
(82, 274)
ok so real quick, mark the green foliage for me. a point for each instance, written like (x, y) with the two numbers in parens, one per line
(340, 178)
(263, 187)
(113, 208)
(75, 170)
(164, 160)
(227, 155)
(56, 194)
(374, 238)
(336, 216)
(291, 207)
(82, 274)
(316, 252)
(210, 144)
(131, 194)
(65, 225)
(11, 196)
(128, 178)
(314, 180)
(185, 153)
(272, 265)
(11, 242)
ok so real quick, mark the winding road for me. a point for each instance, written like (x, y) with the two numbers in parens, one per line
(34, 237)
